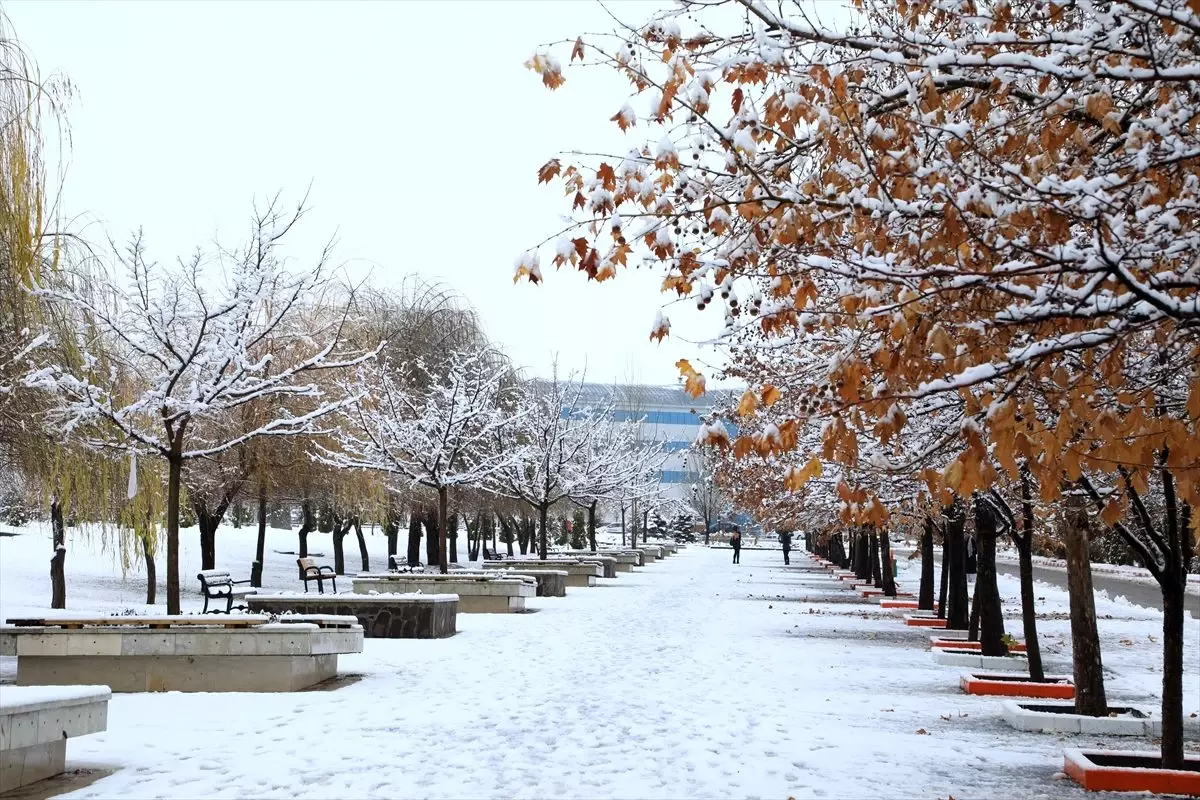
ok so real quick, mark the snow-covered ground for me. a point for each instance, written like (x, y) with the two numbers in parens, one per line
(690, 678)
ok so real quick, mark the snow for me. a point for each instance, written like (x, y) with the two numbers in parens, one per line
(690, 678)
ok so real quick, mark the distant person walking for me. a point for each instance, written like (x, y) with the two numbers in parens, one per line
(735, 541)
(785, 539)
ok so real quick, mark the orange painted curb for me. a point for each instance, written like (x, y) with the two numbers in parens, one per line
(1098, 778)
(980, 685)
(961, 644)
(925, 622)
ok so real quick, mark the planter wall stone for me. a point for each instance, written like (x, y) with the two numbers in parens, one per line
(35, 723)
(414, 616)
(1026, 716)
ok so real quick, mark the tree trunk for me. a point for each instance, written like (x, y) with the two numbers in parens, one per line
(987, 593)
(492, 528)
(1085, 639)
(1172, 682)
(174, 477)
(362, 545)
(885, 558)
(862, 567)
(1024, 543)
(623, 526)
(474, 537)
(876, 577)
(308, 524)
(452, 536)
(957, 604)
(542, 537)
(925, 596)
(208, 522)
(509, 539)
(591, 529)
(151, 571)
(58, 562)
(973, 626)
(260, 550)
(944, 582)
(414, 538)
(341, 527)
(432, 538)
(443, 523)
(391, 529)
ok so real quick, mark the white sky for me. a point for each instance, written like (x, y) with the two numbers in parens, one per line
(415, 122)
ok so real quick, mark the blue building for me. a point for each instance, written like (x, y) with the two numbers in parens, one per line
(668, 414)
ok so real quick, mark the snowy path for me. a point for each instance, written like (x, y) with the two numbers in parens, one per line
(692, 678)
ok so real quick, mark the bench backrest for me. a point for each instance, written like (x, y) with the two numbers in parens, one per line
(214, 576)
(305, 563)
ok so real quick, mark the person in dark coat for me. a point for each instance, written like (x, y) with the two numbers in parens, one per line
(735, 541)
(785, 539)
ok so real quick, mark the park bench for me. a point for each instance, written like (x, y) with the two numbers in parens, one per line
(216, 584)
(311, 571)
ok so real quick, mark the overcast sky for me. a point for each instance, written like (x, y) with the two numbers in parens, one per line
(415, 123)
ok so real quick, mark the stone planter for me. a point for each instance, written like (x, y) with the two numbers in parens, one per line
(962, 644)
(1061, 718)
(176, 654)
(395, 616)
(968, 658)
(921, 621)
(1055, 687)
(35, 723)
(1130, 771)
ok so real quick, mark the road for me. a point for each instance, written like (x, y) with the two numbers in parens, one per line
(1146, 595)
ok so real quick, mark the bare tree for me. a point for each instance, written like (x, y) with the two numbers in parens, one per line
(194, 356)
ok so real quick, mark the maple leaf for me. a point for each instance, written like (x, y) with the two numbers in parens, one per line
(549, 170)
(769, 395)
(607, 176)
(662, 327)
(577, 50)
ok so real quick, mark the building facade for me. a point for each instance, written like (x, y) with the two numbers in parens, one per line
(669, 415)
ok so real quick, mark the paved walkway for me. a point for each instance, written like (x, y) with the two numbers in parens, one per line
(692, 678)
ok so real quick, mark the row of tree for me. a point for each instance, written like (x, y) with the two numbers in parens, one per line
(953, 243)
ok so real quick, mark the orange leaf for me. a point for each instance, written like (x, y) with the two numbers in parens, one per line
(748, 404)
(577, 50)
(769, 395)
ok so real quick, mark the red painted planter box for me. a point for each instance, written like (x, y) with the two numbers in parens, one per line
(1014, 686)
(924, 622)
(1124, 771)
(960, 644)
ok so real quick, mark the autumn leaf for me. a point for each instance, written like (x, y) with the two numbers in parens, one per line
(549, 170)
(577, 50)
(769, 395)
(748, 404)
(693, 381)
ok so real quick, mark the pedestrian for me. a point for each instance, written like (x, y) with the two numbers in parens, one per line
(735, 541)
(785, 539)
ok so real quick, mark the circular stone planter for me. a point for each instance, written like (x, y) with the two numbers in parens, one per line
(1061, 718)
(1130, 771)
(971, 658)
(1054, 687)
